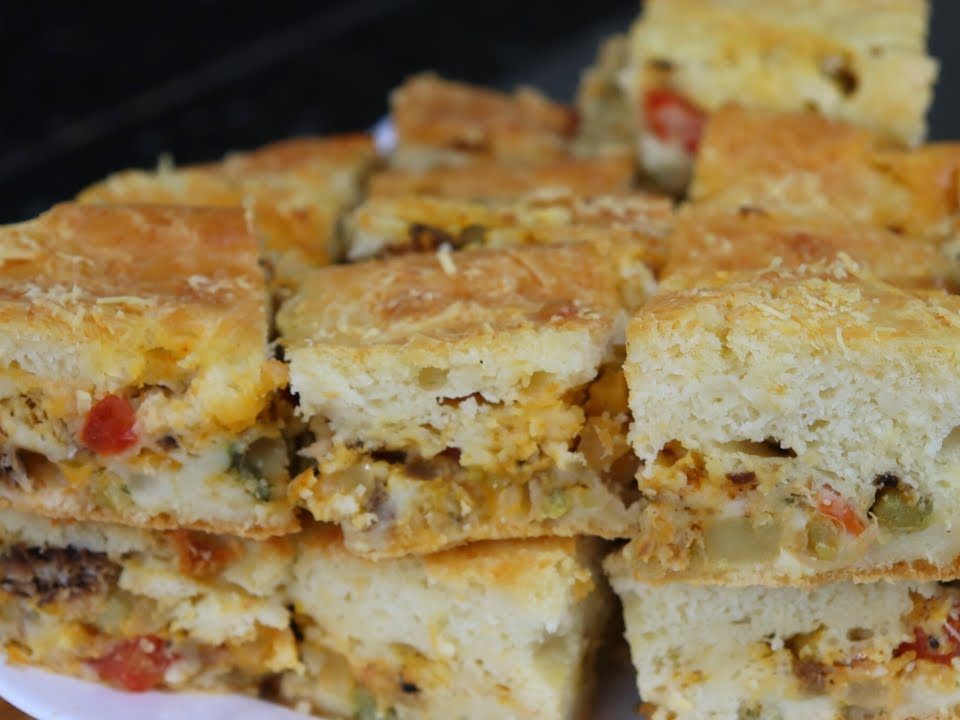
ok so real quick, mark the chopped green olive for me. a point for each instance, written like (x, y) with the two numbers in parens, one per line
(823, 538)
(741, 539)
(556, 505)
(756, 711)
(366, 707)
(473, 235)
(249, 471)
(895, 510)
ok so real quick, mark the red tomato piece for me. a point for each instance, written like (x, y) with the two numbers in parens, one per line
(933, 649)
(136, 665)
(673, 118)
(108, 429)
(834, 506)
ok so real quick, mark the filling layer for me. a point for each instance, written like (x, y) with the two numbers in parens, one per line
(391, 502)
(115, 463)
(754, 511)
(122, 621)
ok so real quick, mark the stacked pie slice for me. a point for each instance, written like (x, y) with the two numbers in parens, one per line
(794, 391)
(373, 436)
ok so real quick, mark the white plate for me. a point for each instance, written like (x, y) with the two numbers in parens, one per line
(52, 697)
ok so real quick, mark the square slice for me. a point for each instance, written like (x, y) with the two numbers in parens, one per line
(489, 179)
(498, 629)
(140, 609)
(462, 396)
(861, 62)
(411, 223)
(137, 384)
(833, 652)
(443, 122)
(506, 628)
(295, 189)
(796, 426)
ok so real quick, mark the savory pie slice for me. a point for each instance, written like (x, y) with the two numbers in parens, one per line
(491, 179)
(795, 426)
(295, 190)
(833, 652)
(411, 223)
(854, 60)
(141, 609)
(507, 629)
(137, 384)
(443, 122)
(497, 629)
(463, 396)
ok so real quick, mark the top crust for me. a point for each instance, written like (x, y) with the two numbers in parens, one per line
(855, 60)
(295, 189)
(419, 302)
(417, 350)
(803, 164)
(819, 359)
(486, 179)
(99, 298)
(432, 113)
(709, 244)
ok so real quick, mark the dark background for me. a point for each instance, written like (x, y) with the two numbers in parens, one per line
(91, 87)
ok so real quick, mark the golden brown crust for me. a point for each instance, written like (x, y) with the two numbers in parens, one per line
(805, 164)
(487, 179)
(708, 243)
(626, 563)
(116, 283)
(130, 251)
(295, 188)
(438, 297)
(503, 562)
(827, 296)
(430, 112)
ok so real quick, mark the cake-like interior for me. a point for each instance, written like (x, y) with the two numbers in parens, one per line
(793, 425)
(135, 382)
(508, 625)
(501, 629)
(143, 609)
(485, 381)
(834, 652)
